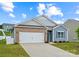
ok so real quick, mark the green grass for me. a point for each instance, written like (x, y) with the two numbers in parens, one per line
(11, 50)
(14, 50)
(72, 47)
(3, 41)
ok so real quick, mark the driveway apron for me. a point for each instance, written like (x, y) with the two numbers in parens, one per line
(45, 50)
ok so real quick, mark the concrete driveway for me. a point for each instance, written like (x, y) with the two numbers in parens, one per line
(45, 50)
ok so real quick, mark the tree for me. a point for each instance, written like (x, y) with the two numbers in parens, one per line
(77, 32)
(0, 26)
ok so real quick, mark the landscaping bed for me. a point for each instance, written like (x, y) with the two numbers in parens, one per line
(72, 47)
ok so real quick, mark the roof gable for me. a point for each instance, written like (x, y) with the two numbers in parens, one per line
(60, 26)
(45, 21)
(40, 21)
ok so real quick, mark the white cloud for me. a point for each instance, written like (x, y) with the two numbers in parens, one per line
(77, 12)
(31, 8)
(24, 15)
(77, 19)
(49, 5)
(7, 6)
(41, 8)
(49, 10)
(53, 10)
(11, 15)
(59, 21)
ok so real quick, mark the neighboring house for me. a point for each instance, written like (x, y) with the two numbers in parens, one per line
(7, 27)
(39, 29)
(72, 26)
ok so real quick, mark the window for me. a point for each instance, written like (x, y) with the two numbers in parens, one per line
(60, 34)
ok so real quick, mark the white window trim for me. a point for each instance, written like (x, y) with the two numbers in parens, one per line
(61, 31)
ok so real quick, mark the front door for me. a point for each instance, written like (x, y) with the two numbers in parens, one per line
(49, 36)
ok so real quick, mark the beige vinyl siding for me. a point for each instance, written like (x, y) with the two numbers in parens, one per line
(72, 25)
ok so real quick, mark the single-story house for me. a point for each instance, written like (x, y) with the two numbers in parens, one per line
(40, 29)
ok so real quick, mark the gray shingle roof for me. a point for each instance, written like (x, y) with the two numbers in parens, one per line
(40, 21)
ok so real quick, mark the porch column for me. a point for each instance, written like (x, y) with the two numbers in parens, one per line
(46, 41)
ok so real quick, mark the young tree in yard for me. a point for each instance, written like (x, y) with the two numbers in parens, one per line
(77, 32)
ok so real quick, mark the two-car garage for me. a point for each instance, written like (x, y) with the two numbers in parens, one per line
(29, 35)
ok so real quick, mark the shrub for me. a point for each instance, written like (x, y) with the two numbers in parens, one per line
(60, 41)
(55, 41)
(7, 33)
(1, 34)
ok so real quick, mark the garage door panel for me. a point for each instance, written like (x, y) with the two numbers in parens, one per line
(31, 37)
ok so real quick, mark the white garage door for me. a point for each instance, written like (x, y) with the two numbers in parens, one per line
(31, 37)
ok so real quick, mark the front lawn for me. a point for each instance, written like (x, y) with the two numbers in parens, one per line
(72, 47)
(12, 50)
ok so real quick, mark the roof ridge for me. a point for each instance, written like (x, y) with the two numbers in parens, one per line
(73, 20)
(49, 19)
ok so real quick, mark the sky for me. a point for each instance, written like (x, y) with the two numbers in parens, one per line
(17, 12)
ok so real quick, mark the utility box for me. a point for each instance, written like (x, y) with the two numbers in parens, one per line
(9, 40)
